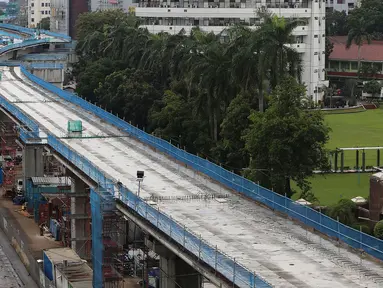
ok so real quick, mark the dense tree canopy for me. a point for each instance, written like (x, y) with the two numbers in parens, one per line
(196, 90)
(287, 141)
(44, 24)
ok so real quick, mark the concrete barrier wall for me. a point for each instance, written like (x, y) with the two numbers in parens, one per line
(19, 241)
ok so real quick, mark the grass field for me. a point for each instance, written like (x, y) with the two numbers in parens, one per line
(330, 188)
(364, 129)
(356, 129)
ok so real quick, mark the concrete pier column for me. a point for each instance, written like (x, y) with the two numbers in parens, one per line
(33, 163)
(79, 216)
(174, 272)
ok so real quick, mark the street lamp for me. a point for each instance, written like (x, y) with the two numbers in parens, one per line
(140, 178)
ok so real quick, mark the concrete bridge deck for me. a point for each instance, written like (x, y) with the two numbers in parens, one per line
(278, 250)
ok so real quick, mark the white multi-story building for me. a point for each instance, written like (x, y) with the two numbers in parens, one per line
(215, 15)
(105, 4)
(37, 10)
(342, 5)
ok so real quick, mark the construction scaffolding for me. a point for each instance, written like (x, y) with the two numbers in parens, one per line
(108, 237)
(11, 162)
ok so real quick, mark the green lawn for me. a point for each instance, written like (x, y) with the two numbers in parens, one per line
(356, 129)
(330, 188)
(364, 129)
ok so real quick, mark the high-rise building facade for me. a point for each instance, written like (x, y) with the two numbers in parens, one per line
(37, 10)
(105, 4)
(342, 5)
(216, 15)
(64, 14)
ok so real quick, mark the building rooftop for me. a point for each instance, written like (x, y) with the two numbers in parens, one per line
(78, 273)
(369, 52)
(58, 255)
(51, 181)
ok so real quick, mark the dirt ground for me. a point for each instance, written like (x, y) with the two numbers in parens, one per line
(36, 242)
(131, 283)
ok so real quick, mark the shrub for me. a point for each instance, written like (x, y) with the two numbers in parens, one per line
(378, 230)
(344, 211)
(365, 228)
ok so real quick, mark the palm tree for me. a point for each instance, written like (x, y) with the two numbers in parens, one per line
(248, 65)
(358, 33)
(210, 71)
(276, 37)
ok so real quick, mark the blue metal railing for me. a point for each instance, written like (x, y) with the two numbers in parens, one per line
(215, 258)
(45, 66)
(19, 29)
(56, 35)
(32, 32)
(45, 57)
(24, 44)
(11, 35)
(22, 117)
(306, 215)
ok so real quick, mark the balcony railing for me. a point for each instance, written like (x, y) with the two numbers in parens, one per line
(274, 5)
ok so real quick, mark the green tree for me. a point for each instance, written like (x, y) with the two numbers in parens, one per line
(287, 142)
(378, 230)
(230, 149)
(44, 24)
(358, 34)
(277, 37)
(328, 50)
(130, 93)
(90, 74)
(349, 90)
(344, 210)
(174, 120)
(336, 23)
(373, 87)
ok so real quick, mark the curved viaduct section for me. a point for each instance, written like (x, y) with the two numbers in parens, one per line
(258, 244)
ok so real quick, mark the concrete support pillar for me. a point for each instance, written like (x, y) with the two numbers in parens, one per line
(33, 163)
(79, 219)
(174, 272)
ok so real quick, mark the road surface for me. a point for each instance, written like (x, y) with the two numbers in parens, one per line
(280, 251)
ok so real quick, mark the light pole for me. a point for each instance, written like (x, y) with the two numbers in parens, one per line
(140, 178)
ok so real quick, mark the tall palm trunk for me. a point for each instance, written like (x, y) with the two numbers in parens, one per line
(359, 60)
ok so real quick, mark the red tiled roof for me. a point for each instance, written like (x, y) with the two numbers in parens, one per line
(372, 52)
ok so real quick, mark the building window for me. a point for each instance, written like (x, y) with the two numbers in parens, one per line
(42, 4)
(33, 12)
(33, 5)
(354, 66)
(32, 19)
(315, 36)
(345, 66)
(334, 65)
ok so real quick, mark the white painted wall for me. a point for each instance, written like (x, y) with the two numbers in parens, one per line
(170, 17)
(37, 10)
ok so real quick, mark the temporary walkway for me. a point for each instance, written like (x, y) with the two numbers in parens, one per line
(272, 247)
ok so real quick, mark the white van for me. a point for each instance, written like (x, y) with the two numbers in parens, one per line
(19, 185)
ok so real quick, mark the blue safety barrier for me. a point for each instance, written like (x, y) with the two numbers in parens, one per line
(31, 31)
(45, 66)
(45, 57)
(27, 43)
(10, 35)
(22, 117)
(225, 265)
(19, 29)
(306, 215)
(56, 35)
